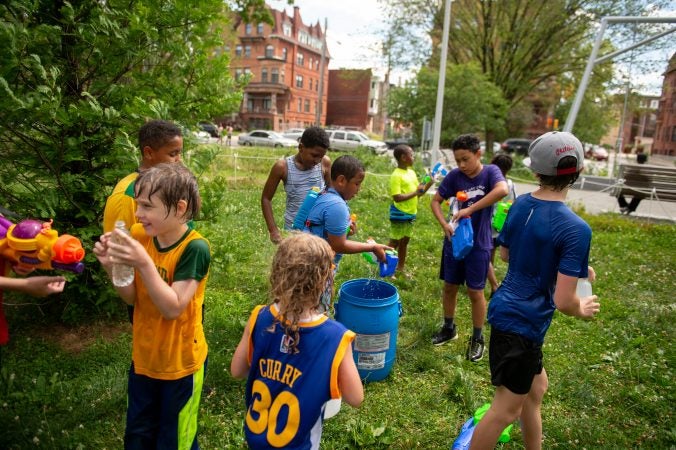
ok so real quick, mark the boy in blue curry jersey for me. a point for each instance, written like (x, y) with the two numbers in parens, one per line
(296, 358)
(484, 185)
(547, 247)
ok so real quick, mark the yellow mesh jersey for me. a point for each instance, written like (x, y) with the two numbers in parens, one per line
(169, 349)
(121, 205)
(403, 181)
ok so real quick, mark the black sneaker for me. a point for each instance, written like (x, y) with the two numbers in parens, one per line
(475, 349)
(444, 335)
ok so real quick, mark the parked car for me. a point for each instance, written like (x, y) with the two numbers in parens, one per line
(265, 138)
(520, 146)
(347, 140)
(596, 152)
(294, 133)
(209, 128)
(496, 146)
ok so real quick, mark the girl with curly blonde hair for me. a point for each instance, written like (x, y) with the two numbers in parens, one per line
(295, 358)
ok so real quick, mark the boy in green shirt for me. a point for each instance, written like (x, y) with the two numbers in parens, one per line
(404, 190)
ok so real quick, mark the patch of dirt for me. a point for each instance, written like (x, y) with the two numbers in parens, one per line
(77, 339)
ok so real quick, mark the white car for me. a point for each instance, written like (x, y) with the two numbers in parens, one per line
(263, 138)
(294, 133)
(496, 146)
(347, 140)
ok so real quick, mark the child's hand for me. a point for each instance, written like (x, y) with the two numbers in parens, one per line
(101, 251)
(44, 286)
(275, 236)
(464, 212)
(353, 229)
(129, 251)
(589, 306)
(449, 230)
(379, 251)
(591, 275)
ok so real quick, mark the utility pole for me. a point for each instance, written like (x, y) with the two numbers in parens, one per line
(436, 136)
(322, 63)
(386, 84)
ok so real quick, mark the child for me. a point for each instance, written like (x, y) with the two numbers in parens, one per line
(169, 350)
(329, 218)
(484, 185)
(404, 190)
(504, 163)
(296, 359)
(299, 173)
(160, 142)
(547, 247)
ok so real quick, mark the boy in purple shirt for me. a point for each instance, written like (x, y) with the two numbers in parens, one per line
(484, 185)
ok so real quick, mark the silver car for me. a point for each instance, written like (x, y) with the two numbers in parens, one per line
(347, 140)
(263, 138)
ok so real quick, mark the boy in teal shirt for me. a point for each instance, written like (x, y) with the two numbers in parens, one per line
(404, 190)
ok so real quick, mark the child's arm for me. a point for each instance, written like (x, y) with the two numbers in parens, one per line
(437, 200)
(239, 366)
(340, 244)
(568, 302)
(35, 286)
(326, 170)
(348, 380)
(499, 191)
(277, 174)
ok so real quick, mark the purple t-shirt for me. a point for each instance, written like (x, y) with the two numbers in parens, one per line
(476, 189)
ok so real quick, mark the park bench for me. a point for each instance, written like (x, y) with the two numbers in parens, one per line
(647, 181)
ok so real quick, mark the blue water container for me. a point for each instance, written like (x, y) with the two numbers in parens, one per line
(371, 308)
(305, 207)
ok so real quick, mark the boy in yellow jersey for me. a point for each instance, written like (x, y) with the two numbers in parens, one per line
(169, 350)
(404, 190)
(160, 141)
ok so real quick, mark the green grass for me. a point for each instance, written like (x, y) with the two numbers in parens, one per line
(610, 378)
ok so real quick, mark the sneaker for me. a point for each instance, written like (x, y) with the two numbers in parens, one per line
(475, 349)
(444, 335)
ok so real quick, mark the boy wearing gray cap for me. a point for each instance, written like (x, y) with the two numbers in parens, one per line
(547, 247)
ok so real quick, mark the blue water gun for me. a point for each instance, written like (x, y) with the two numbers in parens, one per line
(464, 439)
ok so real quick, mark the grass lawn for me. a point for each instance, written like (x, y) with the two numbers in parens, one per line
(611, 378)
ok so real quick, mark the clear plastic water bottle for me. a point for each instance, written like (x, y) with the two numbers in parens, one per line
(123, 274)
(584, 287)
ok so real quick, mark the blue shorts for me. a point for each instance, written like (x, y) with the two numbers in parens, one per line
(472, 270)
(162, 414)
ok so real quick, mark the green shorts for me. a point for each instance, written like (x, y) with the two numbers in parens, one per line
(399, 230)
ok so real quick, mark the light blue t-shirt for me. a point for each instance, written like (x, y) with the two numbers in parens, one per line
(329, 215)
(543, 238)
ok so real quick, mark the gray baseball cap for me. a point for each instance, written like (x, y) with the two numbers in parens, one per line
(546, 151)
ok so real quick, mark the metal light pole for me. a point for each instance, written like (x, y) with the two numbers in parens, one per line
(436, 136)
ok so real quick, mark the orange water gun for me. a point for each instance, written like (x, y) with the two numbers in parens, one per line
(35, 244)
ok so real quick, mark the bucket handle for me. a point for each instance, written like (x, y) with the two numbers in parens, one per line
(401, 309)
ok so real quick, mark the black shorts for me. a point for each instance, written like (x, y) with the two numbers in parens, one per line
(514, 361)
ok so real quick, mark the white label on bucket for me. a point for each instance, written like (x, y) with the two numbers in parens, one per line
(371, 361)
(372, 342)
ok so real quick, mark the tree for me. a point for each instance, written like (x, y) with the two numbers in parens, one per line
(77, 79)
(471, 102)
(521, 45)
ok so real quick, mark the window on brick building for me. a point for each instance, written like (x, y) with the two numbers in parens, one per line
(259, 28)
(299, 59)
(238, 50)
(300, 104)
(299, 81)
(269, 51)
(284, 52)
(247, 51)
(307, 106)
(264, 75)
(248, 28)
(274, 76)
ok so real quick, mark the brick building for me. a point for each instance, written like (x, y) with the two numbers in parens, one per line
(283, 61)
(664, 142)
(354, 100)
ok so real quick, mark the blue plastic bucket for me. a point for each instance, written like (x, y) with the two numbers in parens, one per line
(371, 308)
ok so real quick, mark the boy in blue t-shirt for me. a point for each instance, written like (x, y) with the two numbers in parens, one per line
(484, 185)
(547, 247)
(329, 218)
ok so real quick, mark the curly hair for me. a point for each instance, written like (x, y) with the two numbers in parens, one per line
(466, 142)
(503, 161)
(302, 269)
(347, 166)
(315, 137)
(156, 133)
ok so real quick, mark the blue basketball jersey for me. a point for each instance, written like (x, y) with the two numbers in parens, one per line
(286, 392)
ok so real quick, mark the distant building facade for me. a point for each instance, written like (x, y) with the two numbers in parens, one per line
(664, 141)
(283, 62)
(355, 99)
